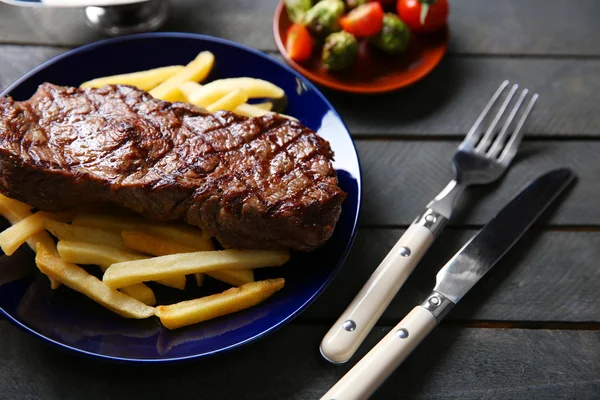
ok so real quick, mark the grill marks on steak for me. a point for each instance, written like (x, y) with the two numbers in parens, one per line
(262, 182)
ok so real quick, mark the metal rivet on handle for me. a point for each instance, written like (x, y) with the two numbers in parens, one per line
(434, 301)
(402, 333)
(349, 325)
(430, 218)
(405, 252)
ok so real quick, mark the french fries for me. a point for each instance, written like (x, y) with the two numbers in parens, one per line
(75, 233)
(15, 211)
(131, 272)
(144, 80)
(229, 102)
(245, 109)
(105, 256)
(250, 110)
(184, 234)
(188, 87)
(235, 299)
(234, 277)
(140, 292)
(267, 105)
(92, 253)
(159, 246)
(14, 236)
(79, 280)
(197, 70)
(254, 88)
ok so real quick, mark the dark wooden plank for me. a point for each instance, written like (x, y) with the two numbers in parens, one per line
(450, 364)
(532, 27)
(548, 276)
(449, 100)
(446, 103)
(546, 27)
(400, 177)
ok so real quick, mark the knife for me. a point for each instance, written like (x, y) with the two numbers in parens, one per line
(453, 281)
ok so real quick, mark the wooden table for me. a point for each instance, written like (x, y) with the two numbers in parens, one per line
(530, 330)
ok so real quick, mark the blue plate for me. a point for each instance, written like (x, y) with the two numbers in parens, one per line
(72, 321)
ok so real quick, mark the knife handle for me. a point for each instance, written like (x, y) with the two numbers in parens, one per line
(373, 369)
(349, 331)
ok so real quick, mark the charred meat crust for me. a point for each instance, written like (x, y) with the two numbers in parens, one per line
(264, 182)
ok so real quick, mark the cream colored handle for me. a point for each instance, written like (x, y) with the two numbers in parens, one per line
(355, 323)
(374, 368)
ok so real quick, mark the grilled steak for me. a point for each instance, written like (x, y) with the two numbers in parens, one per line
(264, 182)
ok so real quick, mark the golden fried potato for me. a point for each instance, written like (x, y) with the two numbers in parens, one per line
(179, 232)
(105, 256)
(76, 233)
(199, 279)
(130, 272)
(14, 236)
(93, 253)
(235, 299)
(229, 102)
(254, 88)
(234, 277)
(79, 280)
(15, 211)
(187, 88)
(140, 292)
(159, 246)
(266, 105)
(144, 80)
(249, 110)
(197, 70)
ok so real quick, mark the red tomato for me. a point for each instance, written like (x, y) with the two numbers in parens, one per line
(363, 21)
(298, 43)
(424, 16)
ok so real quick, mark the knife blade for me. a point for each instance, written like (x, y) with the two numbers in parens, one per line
(488, 246)
(453, 281)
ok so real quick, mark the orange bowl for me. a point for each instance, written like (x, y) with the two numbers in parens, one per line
(373, 71)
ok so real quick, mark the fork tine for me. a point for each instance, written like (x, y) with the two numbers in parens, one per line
(513, 144)
(472, 136)
(498, 143)
(487, 137)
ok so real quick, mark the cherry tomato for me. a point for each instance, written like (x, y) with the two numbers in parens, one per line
(423, 16)
(363, 21)
(298, 43)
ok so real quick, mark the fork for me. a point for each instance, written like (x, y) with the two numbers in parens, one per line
(482, 158)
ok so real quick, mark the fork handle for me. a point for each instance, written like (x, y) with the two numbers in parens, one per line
(373, 369)
(349, 331)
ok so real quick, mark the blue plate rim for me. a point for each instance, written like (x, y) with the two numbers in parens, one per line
(281, 323)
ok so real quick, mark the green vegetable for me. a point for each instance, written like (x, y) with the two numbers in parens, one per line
(297, 9)
(339, 51)
(394, 35)
(355, 3)
(323, 18)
